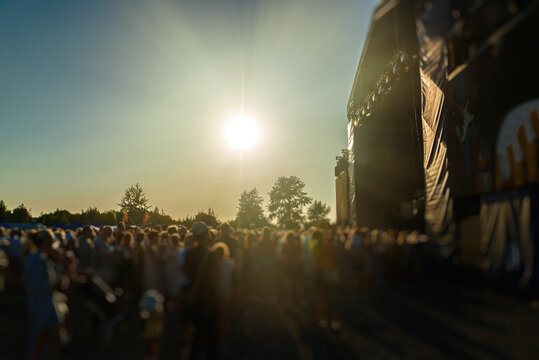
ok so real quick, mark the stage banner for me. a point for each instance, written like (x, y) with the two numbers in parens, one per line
(492, 105)
(509, 234)
(432, 27)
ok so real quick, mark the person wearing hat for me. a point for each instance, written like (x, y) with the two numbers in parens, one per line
(201, 270)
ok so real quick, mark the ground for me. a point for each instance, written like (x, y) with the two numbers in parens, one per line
(422, 319)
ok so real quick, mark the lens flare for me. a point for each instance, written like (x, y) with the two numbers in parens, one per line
(242, 132)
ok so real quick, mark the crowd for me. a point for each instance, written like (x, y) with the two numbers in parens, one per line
(90, 282)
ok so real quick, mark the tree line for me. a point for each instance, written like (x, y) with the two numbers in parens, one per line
(287, 202)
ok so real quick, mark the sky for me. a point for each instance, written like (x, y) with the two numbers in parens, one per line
(98, 95)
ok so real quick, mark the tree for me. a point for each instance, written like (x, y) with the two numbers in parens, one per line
(160, 218)
(317, 214)
(250, 210)
(108, 217)
(135, 202)
(4, 213)
(209, 217)
(63, 220)
(287, 200)
(21, 214)
(90, 215)
(58, 217)
(187, 221)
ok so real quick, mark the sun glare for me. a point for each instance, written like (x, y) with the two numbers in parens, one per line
(242, 132)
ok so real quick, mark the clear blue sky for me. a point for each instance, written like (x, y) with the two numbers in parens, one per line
(97, 95)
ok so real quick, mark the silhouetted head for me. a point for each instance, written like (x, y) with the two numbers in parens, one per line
(42, 240)
(139, 237)
(225, 228)
(127, 239)
(106, 232)
(317, 235)
(153, 236)
(71, 241)
(290, 237)
(175, 240)
(221, 250)
(190, 240)
(201, 232)
(172, 229)
(87, 232)
(15, 233)
(164, 237)
(182, 231)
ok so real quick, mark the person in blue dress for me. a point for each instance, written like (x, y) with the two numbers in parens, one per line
(42, 338)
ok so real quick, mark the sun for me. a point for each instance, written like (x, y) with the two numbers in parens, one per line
(242, 132)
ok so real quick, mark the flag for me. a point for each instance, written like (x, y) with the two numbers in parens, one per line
(125, 217)
(145, 218)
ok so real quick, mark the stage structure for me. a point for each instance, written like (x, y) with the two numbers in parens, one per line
(443, 130)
